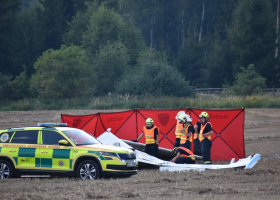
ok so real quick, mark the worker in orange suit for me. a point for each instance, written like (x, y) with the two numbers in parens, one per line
(151, 133)
(205, 138)
(184, 156)
(187, 131)
(178, 130)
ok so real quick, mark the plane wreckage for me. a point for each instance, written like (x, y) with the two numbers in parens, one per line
(166, 154)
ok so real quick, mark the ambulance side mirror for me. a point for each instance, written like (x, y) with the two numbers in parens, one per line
(63, 142)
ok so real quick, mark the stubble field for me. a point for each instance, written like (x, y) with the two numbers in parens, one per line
(262, 135)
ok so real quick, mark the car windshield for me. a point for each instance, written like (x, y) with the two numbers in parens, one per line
(80, 137)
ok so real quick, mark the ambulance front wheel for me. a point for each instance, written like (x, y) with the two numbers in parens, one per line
(88, 169)
(6, 170)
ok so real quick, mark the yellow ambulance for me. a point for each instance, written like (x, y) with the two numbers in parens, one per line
(53, 149)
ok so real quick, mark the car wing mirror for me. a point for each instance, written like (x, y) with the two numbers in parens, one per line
(64, 143)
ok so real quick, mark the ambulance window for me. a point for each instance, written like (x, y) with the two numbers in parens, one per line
(51, 137)
(5, 137)
(25, 137)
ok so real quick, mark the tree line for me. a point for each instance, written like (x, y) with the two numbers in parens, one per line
(74, 48)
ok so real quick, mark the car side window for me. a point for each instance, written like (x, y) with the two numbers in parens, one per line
(25, 137)
(5, 137)
(51, 137)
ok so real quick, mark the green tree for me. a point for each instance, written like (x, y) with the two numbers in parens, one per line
(80, 22)
(82, 5)
(4, 86)
(248, 81)
(34, 29)
(27, 43)
(26, 3)
(222, 13)
(154, 77)
(110, 64)
(19, 87)
(218, 70)
(160, 21)
(106, 26)
(252, 35)
(189, 60)
(8, 9)
(51, 15)
(63, 73)
(76, 29)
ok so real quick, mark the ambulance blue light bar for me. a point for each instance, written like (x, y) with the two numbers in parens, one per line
(52, 124)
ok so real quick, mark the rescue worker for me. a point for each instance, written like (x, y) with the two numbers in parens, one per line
(178, 130)
(197, 147)
(187, 131)
(184, 156)
(205, 137)
(151, 133)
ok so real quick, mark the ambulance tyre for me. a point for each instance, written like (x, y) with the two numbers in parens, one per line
(88, 169)
(6, 170)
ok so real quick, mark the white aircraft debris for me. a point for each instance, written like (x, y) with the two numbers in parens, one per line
(110, 139)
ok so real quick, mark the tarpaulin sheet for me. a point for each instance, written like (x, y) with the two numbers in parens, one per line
(228, 127)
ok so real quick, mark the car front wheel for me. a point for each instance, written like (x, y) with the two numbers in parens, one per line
(88, 169)
(6, 170)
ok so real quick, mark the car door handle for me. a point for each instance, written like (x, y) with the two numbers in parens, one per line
(12, 151)
(44, 152)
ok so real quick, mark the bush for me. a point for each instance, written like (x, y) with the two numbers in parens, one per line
(248, 82)
(154, 78)
(19, 87)
(4, 86)
(62, 73)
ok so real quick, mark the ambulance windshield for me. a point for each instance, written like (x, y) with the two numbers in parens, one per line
(80, 137)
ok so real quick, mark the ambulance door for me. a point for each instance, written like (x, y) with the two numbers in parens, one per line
(54, 157)
(24, 146)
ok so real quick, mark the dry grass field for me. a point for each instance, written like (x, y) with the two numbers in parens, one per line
(262, 135)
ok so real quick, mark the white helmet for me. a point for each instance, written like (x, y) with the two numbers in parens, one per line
(185, 118)
(189, 119)
(179, 113)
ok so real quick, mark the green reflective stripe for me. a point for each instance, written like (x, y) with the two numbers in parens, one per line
(37, 162)
(207, 162)
(16, 160)
(61, 153)
(46, 162)
(98, 154)
(26, 152)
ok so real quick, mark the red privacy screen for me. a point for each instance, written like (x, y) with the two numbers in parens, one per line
(228, 127)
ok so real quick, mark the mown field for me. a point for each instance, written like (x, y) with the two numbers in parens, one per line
(262, 135)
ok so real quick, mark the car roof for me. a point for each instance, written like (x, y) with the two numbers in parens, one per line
(38, 128)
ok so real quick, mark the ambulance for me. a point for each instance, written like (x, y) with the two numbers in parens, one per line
(53, 149)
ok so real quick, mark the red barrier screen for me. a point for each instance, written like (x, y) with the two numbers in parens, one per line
(228, 127)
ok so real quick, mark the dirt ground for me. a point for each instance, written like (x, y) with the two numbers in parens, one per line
(261, 135)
